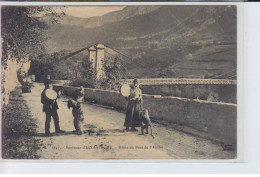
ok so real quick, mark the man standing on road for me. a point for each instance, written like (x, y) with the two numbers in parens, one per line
(50, 108)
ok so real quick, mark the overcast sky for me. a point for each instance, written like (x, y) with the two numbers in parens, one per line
(90, 11)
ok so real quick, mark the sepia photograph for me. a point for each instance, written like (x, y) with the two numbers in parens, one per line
(119, 82)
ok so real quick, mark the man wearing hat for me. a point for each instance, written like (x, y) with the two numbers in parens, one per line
(50, 108)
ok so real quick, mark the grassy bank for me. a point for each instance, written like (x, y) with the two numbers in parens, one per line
(18, 130)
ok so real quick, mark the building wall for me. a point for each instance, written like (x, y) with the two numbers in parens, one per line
(181, 81)
(210, 92)
(217, 120)
(61, 82)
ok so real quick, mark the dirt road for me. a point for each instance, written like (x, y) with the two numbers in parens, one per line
(112, 142)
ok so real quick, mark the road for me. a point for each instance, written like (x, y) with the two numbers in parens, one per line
(108, 140)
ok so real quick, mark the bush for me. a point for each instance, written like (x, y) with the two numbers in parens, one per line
(111, 80)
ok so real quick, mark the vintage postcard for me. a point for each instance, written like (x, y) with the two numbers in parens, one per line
(119, 82)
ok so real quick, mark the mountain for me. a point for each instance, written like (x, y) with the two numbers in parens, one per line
(127, 12)
(174, 41)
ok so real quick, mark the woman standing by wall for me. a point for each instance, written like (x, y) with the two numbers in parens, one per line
(135, 100)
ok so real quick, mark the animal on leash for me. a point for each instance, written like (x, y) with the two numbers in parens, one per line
(77, 114)
(145, 122)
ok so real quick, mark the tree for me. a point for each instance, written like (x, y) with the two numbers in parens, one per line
(82, 72)
(88, 74)
(113, 74)
(22, 31)
(41, 67)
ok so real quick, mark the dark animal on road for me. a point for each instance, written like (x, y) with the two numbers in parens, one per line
(145, 122)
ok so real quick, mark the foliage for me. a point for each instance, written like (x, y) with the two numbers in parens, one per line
(22, 31)
(41, 67)
(23, 39)
(78, 69)
(113, 74)
(18, 126)
(21, 75)
(83, 73)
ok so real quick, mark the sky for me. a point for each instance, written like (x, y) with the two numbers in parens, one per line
(90, 11)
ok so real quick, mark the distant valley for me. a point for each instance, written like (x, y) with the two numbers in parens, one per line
(160, 41)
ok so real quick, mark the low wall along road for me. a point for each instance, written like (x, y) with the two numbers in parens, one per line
(215, 118)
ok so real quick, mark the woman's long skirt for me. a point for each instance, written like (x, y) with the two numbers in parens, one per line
(132, 118)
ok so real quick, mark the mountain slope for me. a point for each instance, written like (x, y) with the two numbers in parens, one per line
(171, 36)
(127, 12)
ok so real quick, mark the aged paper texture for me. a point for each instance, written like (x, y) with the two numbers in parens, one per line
(119, 82)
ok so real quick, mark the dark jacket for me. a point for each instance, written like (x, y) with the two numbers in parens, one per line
(48, 105)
